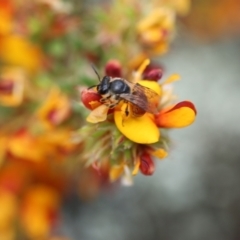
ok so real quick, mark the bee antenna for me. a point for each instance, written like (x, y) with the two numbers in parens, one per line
(92, 87)
(95, 70)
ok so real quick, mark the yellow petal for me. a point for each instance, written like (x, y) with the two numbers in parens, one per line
(136, 167)
(155, 18)
(140, 71)
(26, 54)
(172, 78)
(116, 172)
(98, 114)
(159, 153)
(138, 129)
(151, 36)
(152, 85)
(181, 115)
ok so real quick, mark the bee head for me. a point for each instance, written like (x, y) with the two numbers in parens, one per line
(104, 85)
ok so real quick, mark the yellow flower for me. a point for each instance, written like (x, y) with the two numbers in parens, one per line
(156, 30)
(139, 129)
(181, 7)
(26, 54)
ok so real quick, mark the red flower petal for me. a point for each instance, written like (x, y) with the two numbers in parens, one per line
(146, 164)
(184, 104)
(181, 115)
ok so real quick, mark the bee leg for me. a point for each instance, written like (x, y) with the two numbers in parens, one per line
(102, 100)
(127, 111)
(117, 97)
(105, 99)
(112, 105)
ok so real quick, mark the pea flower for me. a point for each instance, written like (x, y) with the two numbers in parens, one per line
(12, 81)
(155, 31)
(55, 109)
(128, 143)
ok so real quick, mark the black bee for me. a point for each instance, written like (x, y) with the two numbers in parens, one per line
(138, 97)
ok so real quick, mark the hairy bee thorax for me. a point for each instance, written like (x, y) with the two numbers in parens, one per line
(111, 89)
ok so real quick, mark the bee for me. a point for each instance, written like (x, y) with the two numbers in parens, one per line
(139, 99)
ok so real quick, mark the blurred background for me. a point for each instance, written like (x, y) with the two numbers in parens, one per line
(193, 193)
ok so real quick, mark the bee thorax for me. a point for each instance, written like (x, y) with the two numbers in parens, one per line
(119, 87)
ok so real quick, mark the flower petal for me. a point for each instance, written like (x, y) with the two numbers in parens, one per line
(181, 115)
(159, 153)
(152, 85)
(115, 172)
(99, 114)
(25, 55)
(136, 167)
(139, 129)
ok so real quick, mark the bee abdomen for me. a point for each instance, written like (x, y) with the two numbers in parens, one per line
(136, 111)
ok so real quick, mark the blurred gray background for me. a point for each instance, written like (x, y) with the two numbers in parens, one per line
(195, 192)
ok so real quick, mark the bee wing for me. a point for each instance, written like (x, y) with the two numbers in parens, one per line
(142, 97)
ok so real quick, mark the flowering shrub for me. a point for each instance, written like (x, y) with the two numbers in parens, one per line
(46, 144)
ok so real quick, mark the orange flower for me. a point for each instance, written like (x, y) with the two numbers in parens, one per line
(12, 82)
(55, 109)
(21, 142)
(45, 145)
(8, 209)
(6, 15)
(3, 144)
(39, 211)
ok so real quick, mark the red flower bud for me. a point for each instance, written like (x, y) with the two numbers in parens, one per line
(88, 96)
(6, 87)
(146, 164)
(154, 75)
(113, 68)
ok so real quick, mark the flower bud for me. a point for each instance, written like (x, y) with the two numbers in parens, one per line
(88, 96)
(154, 75)
(6, 87)
(146, 164)
(113, 68)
